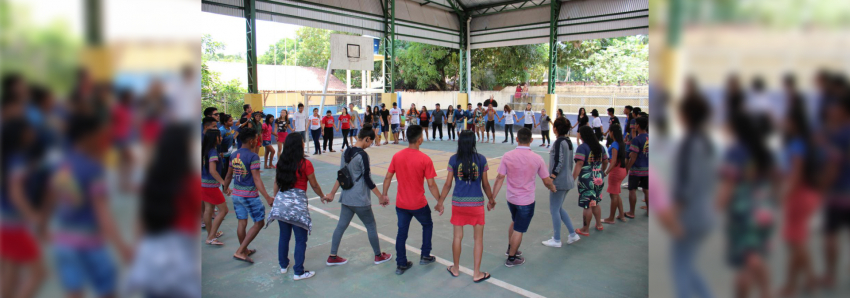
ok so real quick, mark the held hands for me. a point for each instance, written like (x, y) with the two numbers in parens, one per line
(269, 200)
(551, 187)
(228, 191)
(491, 204)
(384, 200)
(328, 198)
(439, 208)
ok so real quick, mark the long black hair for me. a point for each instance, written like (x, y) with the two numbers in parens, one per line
(617, 134)
(210, 142)
(589, 137)
(467, 155)
(752, 137)
(166, 179)
(290, 161)
(798, 120)
(270, 119)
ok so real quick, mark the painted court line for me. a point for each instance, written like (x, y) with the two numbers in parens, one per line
(462, 269)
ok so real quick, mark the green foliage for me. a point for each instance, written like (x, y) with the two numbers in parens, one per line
(422, 66)
(227, 96)
(506, 66)
(624, 59)
(43, 55)
(283, 52)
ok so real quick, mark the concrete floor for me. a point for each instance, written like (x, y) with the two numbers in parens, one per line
(609, 263)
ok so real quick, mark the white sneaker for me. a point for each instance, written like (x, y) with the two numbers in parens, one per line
(282, 270)
(552, 242)
(306, 275)
(572, 239)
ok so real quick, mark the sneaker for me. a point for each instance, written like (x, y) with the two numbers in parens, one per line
(547, 146)
(572, 239)
(516, 262)
(505, 141)
(283, 270)
(399, 270)
(382, 258)
(508, 252)
(552, 242)
(306, 275)
(427, 260)
(335, 261)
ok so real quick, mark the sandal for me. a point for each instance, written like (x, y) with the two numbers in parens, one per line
(449, 269)
(578, 231)
(486, 276)
(623, 219)
(246, 259)
(219, 234)
(251, 251)
(215, 242)
(629, 216)
(599, 228)
(609, 222)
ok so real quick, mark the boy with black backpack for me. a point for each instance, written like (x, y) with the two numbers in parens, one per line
(355, 177)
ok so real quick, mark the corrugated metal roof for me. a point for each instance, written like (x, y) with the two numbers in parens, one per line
(584, 8)
(278, 77)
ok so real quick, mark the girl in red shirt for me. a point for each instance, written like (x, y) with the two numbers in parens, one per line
(345, 125)
(328, 126)
(268, 126)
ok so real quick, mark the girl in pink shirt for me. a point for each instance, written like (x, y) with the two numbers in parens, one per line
(268, 126)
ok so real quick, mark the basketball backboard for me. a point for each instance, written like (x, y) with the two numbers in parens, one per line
(351, 52)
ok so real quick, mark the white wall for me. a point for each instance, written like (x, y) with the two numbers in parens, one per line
(445, 98)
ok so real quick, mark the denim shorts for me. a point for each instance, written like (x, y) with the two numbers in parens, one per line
(244, 206)
(521, 215)
(394, 128)
(267, 143)
(353, 132)
(77, 266)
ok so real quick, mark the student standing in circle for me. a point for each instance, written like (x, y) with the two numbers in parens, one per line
(316, 130)
(528, 116)
(479, 122)
(459, 120)
(468, 169)
(228, 133)
(299, 123)
(450, 122)
(582, 121)
(596, 124)
(509, 116)
(268, 127)
(437, 117)
(545, 120)
(591, 159)
(424, 118)
(345, 126)
(611, 121)
(638, 166)
(491, 121)
(616, 172)
(328, 128)
(413, 115)
(210, 181)
(395, 121)
(468, 114)
(377, 123)
(560, 163)
(356, 200)
(355, 123)
(385, 127)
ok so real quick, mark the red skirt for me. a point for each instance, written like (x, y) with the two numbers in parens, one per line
(17, 244)
(614, 179)
(281, 137)
(212, 195)
(462, 216)
(802, 203)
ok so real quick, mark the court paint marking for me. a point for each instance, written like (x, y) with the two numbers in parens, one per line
(462, 269)
(394, 180)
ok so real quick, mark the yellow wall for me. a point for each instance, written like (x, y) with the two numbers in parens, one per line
(289, 99)
(256, 102)
(462, 99)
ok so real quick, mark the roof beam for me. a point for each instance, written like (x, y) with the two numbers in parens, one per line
(435, 3)
(506, 6)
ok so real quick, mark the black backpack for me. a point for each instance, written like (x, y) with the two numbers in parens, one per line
(343, 176)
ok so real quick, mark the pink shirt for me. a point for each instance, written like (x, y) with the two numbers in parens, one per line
(522, 164)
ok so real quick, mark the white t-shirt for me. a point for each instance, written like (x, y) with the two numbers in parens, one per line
(596, 122)
(315, 122)
(509, 117)
(395, 115)
(299, 120)
(529, 117)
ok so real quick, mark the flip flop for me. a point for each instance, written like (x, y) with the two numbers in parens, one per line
(449, 269)
(599, 228)
(246, 259)
(629, 216)
(622, 219)
(251, 251)
(486, 276)
(215, 242)
(219, 234)
(608, 222)
(582, 233)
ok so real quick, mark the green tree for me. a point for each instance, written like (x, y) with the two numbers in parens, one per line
(283, 52)
(424, 67)
(506, 66)
(227, 96)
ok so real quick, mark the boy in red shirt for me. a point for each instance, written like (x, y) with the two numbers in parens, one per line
(413, 167)
(328, 127)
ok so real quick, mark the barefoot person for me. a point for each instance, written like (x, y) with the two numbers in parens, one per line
(247, 187)
(490, 127)
(591, 159)
(638, 165)
(356, 200)
(469, 170)
(616, 172)
(523, 165)
(413, 168)
(210, 181)
(560, 163)
(289, 207)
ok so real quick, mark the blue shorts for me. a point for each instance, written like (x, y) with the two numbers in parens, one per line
(267, 143)
(521, 215)
(244, 206)
(353, 132)
(394, 127)
(377, 128)
(76, 266)
(384, 128)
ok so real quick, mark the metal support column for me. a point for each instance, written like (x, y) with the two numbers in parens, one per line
(251, 39)
(94, 32)
(554, 12)
(463, 74)
(389, 46)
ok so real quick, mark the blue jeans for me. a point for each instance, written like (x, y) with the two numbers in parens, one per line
(283, 246)
(316, 134)
(76, 266)
(556, 208)
(686, 279)
(423, 215)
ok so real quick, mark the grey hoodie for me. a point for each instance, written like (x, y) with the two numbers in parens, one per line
(561, 163)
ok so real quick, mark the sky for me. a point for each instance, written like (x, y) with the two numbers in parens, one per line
(231, 31)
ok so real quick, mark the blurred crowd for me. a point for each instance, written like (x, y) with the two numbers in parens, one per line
(769, 169)
(98, 192)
